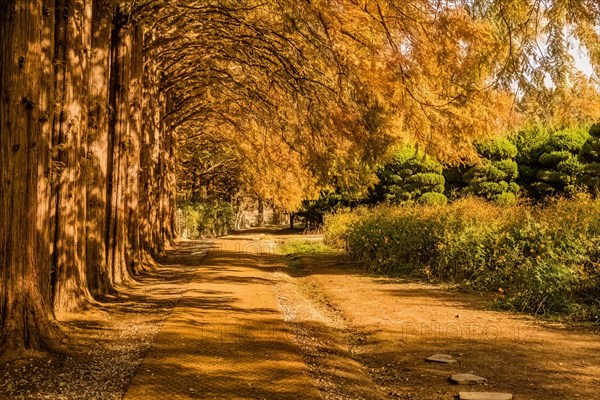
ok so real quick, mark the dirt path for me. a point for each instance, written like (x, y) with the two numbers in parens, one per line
(225, 338)
(105, 344)
(396, 324)
(245, 327)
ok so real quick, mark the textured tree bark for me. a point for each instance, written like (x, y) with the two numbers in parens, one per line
(157, 179)
(134, 256)
(87, 173)
(153, 101)
(124, 239)
(46, 187)
(25, 314)
(165, 192)
(119, 126)
(260, 218)
(73, 43)
(96, 189)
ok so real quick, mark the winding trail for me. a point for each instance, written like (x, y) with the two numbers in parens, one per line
(246, 327)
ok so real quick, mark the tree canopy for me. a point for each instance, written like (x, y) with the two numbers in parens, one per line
(110, 109)
(337, 82)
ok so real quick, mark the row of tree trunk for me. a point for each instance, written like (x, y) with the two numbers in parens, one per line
(86, 160)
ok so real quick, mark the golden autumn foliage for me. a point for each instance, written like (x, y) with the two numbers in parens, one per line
(106, 104)
(338, 82)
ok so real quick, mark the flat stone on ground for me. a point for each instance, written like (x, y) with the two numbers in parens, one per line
(442, 358)
(468, 379)
(484, 396)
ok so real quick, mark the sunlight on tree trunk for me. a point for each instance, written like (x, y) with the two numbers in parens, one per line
(97, 268)
(73, 42)
(24, 310)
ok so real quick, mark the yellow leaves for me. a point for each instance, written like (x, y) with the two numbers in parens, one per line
(576, 104)
(272, 170)
(432, 71)
(312, 93)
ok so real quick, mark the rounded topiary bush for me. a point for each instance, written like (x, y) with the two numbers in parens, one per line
(433, 198)
(590, 159)
(550, 163)
(494, 178)
(595, 130)
(410, 177)
(496, 150)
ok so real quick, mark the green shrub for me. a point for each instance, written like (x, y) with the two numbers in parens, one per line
(493, 178)
(548, 162)
(338, 223)
(590, 158)
(432, 198)
(211, 218)
(410, 177)
(496, 150)
(314, 211)
(507, 198)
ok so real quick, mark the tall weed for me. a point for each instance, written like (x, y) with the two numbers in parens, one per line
(543, 259)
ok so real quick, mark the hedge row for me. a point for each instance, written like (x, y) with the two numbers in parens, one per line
(537, 164)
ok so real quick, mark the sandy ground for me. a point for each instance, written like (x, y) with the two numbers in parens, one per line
(239, 323)
(105, 345)
(396, 324)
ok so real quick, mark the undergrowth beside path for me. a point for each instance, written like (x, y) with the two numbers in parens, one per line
(544, 260)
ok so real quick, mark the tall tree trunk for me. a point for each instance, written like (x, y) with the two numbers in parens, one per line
(46, 175)
(24, 312)
(149, 146)
(260, 218)
(134, 256)
(157, 178)
(86, 196)
(73, 36)
(117, 237)
(165, 195)
(96, 265)
(239, 212)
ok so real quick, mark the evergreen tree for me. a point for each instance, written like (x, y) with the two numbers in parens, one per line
(589, 156)
(494, 178)
(410, 177)
(548, 163)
